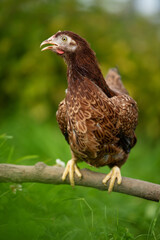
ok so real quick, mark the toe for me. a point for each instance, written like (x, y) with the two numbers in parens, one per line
(119, 179)
(111, 184)
(105, 180)
(65, 173)
(107, 177)
(114, 174)
(78, 173)
(71, 174)
(70, 170)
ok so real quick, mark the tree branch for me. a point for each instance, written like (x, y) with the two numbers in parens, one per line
(42, 173)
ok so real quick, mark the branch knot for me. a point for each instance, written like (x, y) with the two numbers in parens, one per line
(40, 166)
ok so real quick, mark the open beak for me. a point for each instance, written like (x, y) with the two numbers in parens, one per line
(50, 42)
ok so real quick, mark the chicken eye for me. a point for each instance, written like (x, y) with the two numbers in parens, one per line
(64, 38)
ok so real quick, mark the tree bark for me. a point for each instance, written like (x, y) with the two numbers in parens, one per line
(42, 173)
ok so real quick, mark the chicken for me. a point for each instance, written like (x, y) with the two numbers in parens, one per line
(97, 117)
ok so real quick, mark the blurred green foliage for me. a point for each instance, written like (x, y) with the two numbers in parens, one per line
(34, 82)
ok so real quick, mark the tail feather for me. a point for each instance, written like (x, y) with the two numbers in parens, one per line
(113, 79)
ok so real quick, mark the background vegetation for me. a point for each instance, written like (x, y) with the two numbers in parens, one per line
(31, 86)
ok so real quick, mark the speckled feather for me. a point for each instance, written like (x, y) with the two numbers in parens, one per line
(97, 117)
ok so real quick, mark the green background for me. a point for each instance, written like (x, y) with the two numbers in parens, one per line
(32, 83)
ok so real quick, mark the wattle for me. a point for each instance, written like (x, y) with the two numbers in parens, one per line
(59, 51)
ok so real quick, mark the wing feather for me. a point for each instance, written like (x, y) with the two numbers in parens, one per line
(113, 80)
(61, 117)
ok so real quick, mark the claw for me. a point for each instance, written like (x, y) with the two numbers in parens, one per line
(114, 174)
(69, 170)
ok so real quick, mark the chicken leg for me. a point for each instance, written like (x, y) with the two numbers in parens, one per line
(114, 174)
(70, 169)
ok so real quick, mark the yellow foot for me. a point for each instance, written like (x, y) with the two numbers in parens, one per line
(70, 169)
(114, 173)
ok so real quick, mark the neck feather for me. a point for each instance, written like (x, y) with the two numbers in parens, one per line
(84, 64)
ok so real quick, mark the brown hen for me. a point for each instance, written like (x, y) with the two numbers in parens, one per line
(97, 117)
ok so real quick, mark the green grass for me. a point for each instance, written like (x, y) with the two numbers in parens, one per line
(47, 212)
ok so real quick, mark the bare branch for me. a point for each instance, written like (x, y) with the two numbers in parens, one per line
(42, 173)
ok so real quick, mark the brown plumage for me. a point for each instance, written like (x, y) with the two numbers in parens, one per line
(97, 117)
